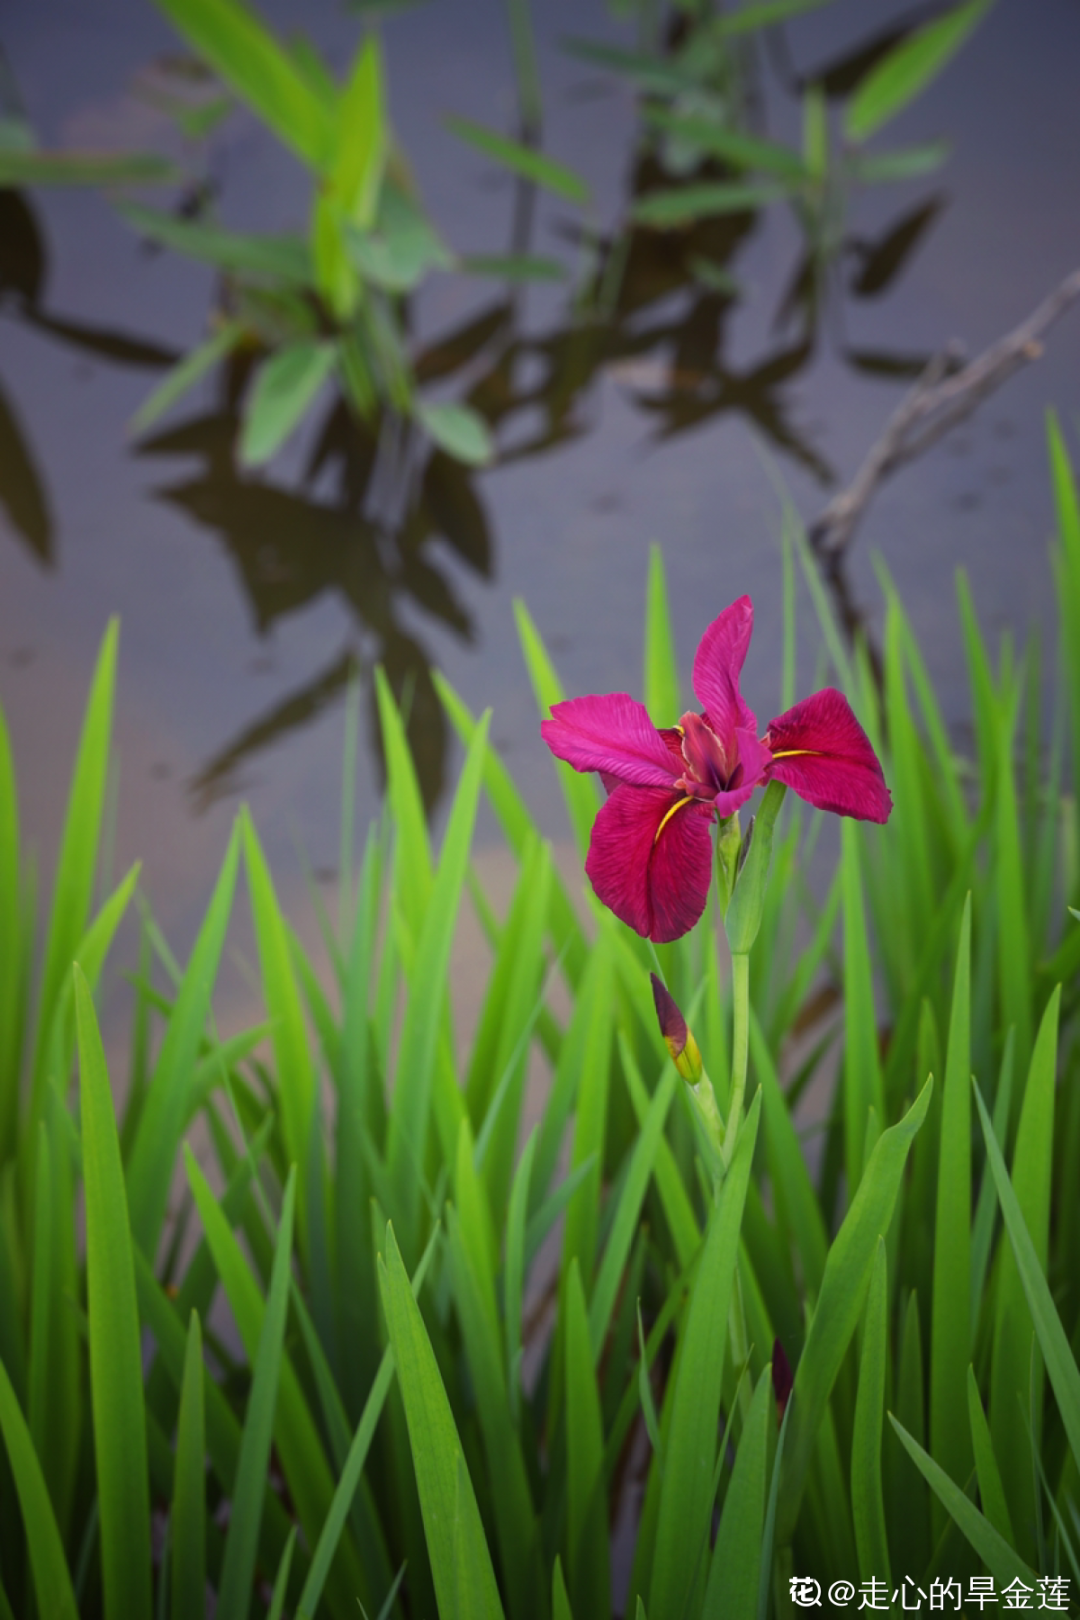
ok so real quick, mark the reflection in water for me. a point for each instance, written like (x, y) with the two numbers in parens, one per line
(654, 311)
(291, 548)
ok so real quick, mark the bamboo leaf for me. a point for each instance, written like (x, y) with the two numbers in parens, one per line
(284, 390)
(522, 160)
(459, 430)
(182, 377)
(908, 68)
(231, 38)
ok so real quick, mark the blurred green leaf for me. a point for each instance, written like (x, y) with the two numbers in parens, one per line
(357, 169)
(908, 68)
(731, 145)
(765, 14)
(285, 389)
(458, 430)
(39, 168)
(232, 39)
(908, 163)
(521, 159)
(512, 267)
(192, 368)
(279, 258)
(671, 210)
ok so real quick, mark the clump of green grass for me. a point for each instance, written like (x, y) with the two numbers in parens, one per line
(392, 1262)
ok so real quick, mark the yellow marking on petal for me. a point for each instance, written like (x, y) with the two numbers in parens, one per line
(792, 753)
(688, 800)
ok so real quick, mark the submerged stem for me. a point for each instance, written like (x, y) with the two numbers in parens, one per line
(740, 1046)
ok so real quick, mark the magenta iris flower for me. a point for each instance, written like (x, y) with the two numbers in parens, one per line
(650, 857)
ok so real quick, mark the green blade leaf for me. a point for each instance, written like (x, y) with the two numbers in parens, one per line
(867, 1502)
(447, 1502)
(735, 1569)
(238, 1568)
(950, 1328)
(1053, 1341)
(661, 684)
(74, 883)
(839, 1304)
(48, 1564)
(690, 1453)
(586, 1513)
(987, 1472)
(231, 38)
(116, 1385)
(165, 1111)
(187, 1523)
(522, 160)
(1004, 1564)
(284, 389)
(908, 68)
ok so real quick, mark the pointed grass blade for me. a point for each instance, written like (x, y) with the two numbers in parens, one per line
(411, 1113)
(950, 1327)
(661, 669)
(867, 1501)
(48, 1563)
(230, 37)
(165, 1111)
(1011, 1351)
(839, 1304)
(1053, 1342)
(1003, 1562)
(116, 1385)
(450, 1515)
(579, 791)
(187, 1523)
(987, 1472)
(74, 884)
(587, 1538)
(238, 1568)
(735, 1569)
(686, 1500)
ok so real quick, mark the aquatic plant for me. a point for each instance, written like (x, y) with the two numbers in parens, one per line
(458, 1374)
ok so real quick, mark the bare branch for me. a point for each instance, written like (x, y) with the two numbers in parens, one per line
(946, 393)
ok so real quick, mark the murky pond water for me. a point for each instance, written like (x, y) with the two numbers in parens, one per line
(245, 598)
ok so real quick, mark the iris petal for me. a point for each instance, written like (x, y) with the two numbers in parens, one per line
(718, 663)
(658, 885)
(820, 750)
(612, 734)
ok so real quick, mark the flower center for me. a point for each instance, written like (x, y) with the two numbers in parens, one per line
(709, 770)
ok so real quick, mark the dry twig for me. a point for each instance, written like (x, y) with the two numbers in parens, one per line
(946, 393)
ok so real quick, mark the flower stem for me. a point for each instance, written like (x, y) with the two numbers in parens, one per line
(740, 1046)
